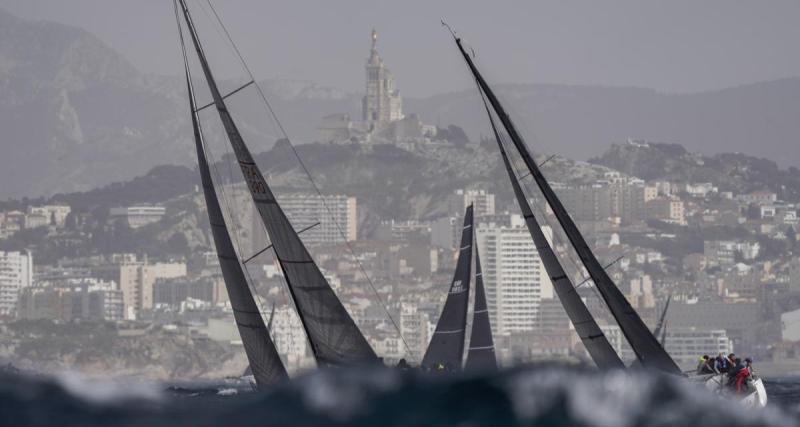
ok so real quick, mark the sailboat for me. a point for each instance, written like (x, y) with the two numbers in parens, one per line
(649, 352)
(264, 361)
(334, 338)
(445, 351)
(446, 348)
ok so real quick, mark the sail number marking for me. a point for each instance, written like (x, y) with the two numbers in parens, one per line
(254, 181)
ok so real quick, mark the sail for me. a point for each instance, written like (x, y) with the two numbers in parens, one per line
(248, 370)
(643, 342)
(593, 338)
(446, 348)
(480, 355)
(334, 337)
(264, 360)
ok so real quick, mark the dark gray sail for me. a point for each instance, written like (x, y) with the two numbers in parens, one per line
(593, 338)
(264, 360)
(480, 355)
(334, 337)
(248, 370)
(446, 348)
(642, 341)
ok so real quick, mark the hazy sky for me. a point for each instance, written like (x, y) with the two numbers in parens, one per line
(673, 46)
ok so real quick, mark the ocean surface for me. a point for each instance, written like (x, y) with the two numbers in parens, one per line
(542, 395)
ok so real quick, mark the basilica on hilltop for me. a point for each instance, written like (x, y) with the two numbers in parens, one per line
(382, 119)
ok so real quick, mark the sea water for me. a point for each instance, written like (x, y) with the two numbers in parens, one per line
(546, 395)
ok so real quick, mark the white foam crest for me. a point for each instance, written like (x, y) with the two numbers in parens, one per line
(340, 395)
(627, 399)
(108, 390)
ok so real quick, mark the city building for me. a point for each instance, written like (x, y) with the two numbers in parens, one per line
(482, 201)
(758, 197)
(55, 215)
(790, 325)
(736, 319)
(403, 231)
(415, 327)
(725, 252)
(667, 209)
(686, 344)
(446, 232)
(173, 291)
(289, 337)
(513, 275)
(72, 299)
(138, 216)
(16, 274)
(586, 202)
(319, 220)
(136, 280)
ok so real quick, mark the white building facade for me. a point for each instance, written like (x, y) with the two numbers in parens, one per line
(16, 273)
(322, 221)
(513, 275)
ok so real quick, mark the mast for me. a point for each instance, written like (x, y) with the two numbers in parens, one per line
(446, 349)
(334, 337)
(480, 355)
(643, 342)
(261, 353)
(586, 327)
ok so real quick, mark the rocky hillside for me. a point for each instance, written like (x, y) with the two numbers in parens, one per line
(92, 347)
(735, 172)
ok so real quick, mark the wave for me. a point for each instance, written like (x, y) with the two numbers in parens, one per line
(550, 395)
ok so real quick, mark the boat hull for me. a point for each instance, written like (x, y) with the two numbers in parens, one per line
(754, 397)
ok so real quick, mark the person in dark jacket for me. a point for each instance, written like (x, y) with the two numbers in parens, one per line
(721, 364)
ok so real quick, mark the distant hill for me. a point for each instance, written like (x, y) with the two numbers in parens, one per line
(75, 115)
(759, 119)
(735, 172)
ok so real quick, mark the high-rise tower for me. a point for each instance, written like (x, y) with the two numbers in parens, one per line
(382, 103)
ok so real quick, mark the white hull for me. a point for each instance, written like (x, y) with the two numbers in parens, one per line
(755, 397)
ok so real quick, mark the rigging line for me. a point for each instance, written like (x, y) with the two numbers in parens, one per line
(274, 116)
(605, 267)
(544, 162)
(270, 246)
(231, 93)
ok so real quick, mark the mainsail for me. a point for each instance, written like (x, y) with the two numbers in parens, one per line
(589, 332)
(334, 337)
(644, 344)
(258, 346)
(480, 355)
(446, 349)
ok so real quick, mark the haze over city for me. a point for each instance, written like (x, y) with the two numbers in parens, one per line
(676, 46)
